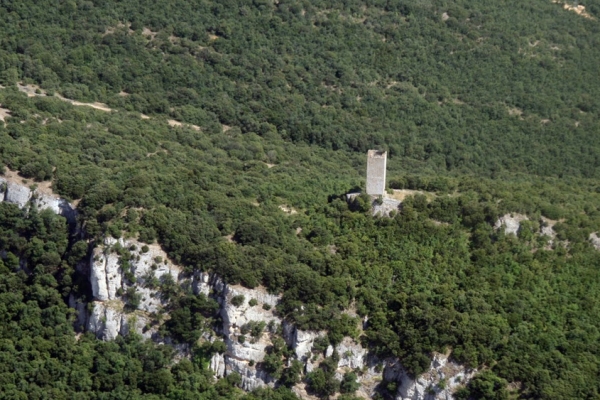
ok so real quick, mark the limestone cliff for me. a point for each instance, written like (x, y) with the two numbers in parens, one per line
(239, 308)
(118, 268)
(111, 284)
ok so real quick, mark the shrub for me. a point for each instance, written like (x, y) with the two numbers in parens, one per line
(238, 300)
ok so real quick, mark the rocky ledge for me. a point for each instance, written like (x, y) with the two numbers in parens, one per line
(241, 308)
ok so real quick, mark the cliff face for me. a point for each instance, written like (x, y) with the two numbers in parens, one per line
(124, 268)
(239, 308)
(113, 287)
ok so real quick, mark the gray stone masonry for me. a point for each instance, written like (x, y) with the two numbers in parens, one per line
(376, 165)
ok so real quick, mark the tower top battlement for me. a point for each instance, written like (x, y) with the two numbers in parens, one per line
(376, 166)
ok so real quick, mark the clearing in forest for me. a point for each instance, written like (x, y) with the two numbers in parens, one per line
(401, 194)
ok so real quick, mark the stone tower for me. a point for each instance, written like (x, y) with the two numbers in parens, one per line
(376, 164)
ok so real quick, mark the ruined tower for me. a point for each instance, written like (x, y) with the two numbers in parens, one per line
(376, 163)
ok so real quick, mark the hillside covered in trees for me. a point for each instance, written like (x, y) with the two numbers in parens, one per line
(219, 116)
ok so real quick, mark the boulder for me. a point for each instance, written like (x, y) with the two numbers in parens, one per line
(595, 240)
(217, 365)
(17, 194)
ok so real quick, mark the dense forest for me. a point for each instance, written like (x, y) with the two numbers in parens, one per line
(453, 85)
(223, 113)
(41, 355)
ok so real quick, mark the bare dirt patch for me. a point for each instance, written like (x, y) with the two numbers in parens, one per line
(30, 90)
(112, 29)
(300, 391)
(156, 152)
(34, 90)
(177, 124)
(96, 105)
(12, 176)
(515, 111)
(401, 194)
(288, 210)
(4, 112)
(229, 238)
(577, 9)
(149, 33)
(439, 223)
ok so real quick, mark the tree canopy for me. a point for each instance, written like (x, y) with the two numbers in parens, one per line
(236, 130)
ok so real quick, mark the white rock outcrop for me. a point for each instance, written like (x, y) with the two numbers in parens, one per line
(352, 355)
(107, 320)
(299, 340)
(440, 382)
(17, 194)
(110, 283)
(252, 350)
(511, 223)
(252, 377)
(595, 240)
(217, 365)
(241, 308)
(21, 195)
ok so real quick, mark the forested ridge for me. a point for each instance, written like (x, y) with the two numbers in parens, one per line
(491, 87)
(488, 109)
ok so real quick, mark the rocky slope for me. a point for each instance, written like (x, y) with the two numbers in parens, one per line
(122, 269)
(239, 308)
(113, 287)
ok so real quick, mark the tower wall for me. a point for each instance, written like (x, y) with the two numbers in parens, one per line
(376, 166)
